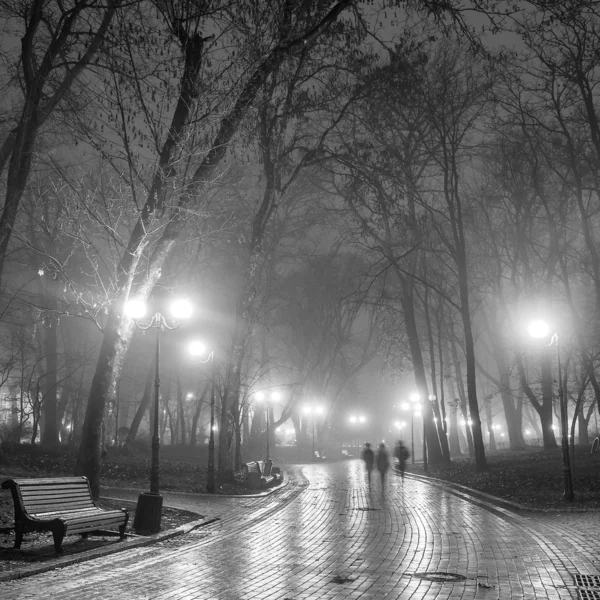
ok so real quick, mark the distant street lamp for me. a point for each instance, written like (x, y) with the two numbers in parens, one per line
(360, 419)
(540, 329)
(313, 409)
(149, 508)
(199, 349)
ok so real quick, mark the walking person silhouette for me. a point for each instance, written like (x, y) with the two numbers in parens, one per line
(402, 454)
(369, 457)
(383, 464)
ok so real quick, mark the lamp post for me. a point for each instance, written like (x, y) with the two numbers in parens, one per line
(199, 349)
(415, 399)
(149, 507)
(540, 329)
(432, 398)
(313, 409)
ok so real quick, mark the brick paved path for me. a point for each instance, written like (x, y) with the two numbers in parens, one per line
(332, 539)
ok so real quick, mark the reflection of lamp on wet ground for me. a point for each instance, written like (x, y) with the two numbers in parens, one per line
(199, 349)
(149, 508)
(540, 329)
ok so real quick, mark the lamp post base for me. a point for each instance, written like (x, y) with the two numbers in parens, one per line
(148, 513)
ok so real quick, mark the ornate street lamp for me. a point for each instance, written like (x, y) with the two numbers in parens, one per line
(199, 349)
(540, 329)
(149, 508)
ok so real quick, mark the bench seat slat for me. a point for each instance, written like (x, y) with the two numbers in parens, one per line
(78, 514)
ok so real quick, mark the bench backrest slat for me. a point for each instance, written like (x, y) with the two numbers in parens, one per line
(44, 495)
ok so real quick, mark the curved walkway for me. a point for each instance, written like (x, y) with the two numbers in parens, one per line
(329, 537)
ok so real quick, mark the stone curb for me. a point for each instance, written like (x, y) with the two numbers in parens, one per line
(267, 492)
(493, 501)
(132, 541)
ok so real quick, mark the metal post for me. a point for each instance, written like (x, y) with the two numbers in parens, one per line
(148, 512)
(117, 416)
(313, 428)
(412, 436)
(210, 479)
(154, 469)
(424, 441)
(567, 476)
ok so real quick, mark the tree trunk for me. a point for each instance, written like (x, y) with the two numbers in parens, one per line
(199, 403)
(50, 401)
(438, 416)
(180, 411)
(490, 427)
(462, 400)
(479, 449)
(143, 405)
(454, 431)
(434, 451)
(513, 421)
(546, 412)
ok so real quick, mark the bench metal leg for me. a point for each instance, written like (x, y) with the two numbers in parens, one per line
(58, 529)
(19, 530)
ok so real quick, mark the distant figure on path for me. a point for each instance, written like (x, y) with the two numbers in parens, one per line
(402, 454)
(369, 457)
(383, 464)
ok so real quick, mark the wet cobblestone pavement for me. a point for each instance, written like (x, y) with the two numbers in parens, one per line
(327, 536)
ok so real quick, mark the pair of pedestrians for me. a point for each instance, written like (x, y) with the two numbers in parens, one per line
(381, 459)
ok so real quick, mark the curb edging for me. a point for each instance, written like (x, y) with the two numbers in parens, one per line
(136, 542)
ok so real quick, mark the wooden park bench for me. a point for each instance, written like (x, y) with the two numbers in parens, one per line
(261, 474)
(62, 505)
